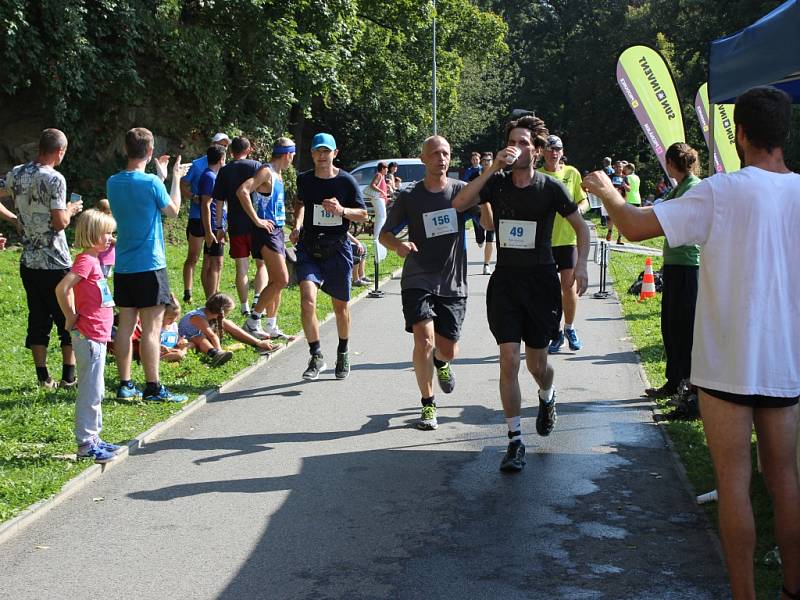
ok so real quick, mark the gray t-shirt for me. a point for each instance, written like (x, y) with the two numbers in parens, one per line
(440, 264)
(37, 190)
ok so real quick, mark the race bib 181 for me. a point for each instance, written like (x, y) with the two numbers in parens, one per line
(519, 235)
(440, 222)
(322, 218)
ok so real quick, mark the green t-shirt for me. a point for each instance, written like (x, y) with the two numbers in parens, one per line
(687, 256)
(563, 233)
(633, 196)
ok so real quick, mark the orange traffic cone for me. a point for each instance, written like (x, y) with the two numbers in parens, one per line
(648, 281)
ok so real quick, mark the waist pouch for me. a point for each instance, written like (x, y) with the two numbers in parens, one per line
(321, 246)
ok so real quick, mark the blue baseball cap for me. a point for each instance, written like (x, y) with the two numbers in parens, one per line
(323, 140)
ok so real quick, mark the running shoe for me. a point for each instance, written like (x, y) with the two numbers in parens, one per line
(546, 419)
(514, 459)
(556, 344)
(164, 395)
(253, 327)
(108, 447)
(428, 421)
(68, 385)
(220, 358)
(359, 283)
(366, 279)
(575, 342)
(445, 377)
(315, 366)
(487, 270)
(128, 392)
(342, 365)
(94, 451)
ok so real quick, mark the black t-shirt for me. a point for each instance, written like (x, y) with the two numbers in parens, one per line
(312, 190)
(229, 178)
(516, 210)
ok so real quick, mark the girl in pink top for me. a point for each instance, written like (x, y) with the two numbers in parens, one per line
(87, 303)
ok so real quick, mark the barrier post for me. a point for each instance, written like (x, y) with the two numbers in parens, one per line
(602, 292)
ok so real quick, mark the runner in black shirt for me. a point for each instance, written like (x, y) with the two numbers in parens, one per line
(523, 300)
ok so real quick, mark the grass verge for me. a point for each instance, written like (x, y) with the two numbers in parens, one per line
(36, 426)
(644, 326)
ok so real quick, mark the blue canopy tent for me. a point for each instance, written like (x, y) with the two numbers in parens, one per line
(765, 53)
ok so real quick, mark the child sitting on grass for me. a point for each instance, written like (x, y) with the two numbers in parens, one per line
(173, 346)
(86, 301)
(204, 328)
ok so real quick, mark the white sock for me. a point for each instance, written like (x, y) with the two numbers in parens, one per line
(515, 426)
(567, 326)
(272, 322)
(546, 395)
(245, 307)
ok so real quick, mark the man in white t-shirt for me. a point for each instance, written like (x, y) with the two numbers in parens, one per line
(746, 354)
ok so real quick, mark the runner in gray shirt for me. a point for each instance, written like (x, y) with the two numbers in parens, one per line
(434, 280)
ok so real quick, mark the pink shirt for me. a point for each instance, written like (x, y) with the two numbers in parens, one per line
(93, 299)
(108, 257)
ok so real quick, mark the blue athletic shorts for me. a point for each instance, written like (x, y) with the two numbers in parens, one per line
(332, 274)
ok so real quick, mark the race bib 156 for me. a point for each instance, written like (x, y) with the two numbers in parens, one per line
(440, 222)
(519, 235)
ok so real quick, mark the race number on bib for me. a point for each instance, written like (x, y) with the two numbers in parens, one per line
(322, 218)
(519, 235)
(440, 222)
(106, 297)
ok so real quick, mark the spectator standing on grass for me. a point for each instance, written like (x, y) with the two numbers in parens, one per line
(680, 281)
(215, 221)
(745, 353)
(267, 241)
(240, 227)
(87, 304)
(40, 195)
(195, 233)
(108, 256)
(141, 286)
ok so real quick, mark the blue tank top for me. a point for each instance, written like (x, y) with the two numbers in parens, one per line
(272, 207)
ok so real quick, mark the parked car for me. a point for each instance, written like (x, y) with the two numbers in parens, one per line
(409, 170)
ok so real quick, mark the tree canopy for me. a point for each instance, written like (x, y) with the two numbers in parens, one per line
(358, 68)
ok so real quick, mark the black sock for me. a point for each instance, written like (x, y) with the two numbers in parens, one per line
(428, 401)
(42, 374)
(187, 295)
(125, 383)
(438, 363)
(342, 345)
(151, 386)
(212, 352)
(314, 348)
(67, 372)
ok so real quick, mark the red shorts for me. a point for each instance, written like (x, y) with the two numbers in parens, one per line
(239, 246)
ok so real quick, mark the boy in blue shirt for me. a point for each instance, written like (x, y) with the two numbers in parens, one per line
(141, 286)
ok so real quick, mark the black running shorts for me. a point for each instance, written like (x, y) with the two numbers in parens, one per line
(565, 257)
(753, 400)
(447, 313)
(524, 305)
(141, 290)
(194, 227)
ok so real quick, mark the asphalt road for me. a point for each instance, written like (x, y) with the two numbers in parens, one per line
(283, 489)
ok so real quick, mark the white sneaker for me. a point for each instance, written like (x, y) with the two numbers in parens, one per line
(487, 270)
(253, 327)
(275, 333)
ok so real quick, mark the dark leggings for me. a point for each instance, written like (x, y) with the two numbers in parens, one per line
(678, 300)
